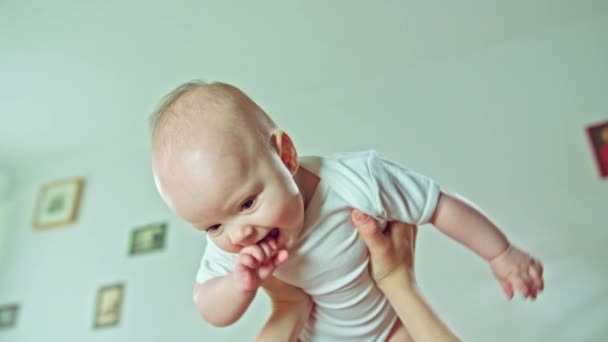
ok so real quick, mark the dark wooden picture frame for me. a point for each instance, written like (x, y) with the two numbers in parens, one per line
(148, 238)
(598, 139)
(58, 203)
(8, 316)
(109, 306)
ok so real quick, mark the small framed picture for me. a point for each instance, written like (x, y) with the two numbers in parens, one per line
(148, 238)
(109, 304)
(58, 203)
(8, 316)
(598, 138)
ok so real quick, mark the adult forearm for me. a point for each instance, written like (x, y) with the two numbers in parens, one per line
(466, 224)
(285, 322)
(415, 314)
(221, 301)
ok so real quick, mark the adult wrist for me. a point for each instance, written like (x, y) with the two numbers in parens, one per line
(396, 280)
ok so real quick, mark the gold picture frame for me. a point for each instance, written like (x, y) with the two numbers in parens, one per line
(58, 203)
(109, 305)
(148, 238)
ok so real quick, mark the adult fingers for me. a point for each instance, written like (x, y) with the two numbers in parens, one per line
(369, 229)
(403, 237)
(402, 234)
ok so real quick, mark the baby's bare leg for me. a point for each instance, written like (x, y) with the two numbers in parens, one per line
(399, 333)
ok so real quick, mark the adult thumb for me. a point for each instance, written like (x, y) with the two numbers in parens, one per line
(369, 229)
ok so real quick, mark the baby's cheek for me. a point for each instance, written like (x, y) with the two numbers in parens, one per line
(284, 215)
(279, 215)
(224, 244)
(284, 209)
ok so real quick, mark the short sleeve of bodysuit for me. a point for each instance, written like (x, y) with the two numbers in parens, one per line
(379, 187)
(402, 194)
(214, 263)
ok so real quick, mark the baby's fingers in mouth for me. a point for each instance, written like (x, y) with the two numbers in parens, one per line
(272, 238)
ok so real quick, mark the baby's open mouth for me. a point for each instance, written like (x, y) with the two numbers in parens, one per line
(273, 234)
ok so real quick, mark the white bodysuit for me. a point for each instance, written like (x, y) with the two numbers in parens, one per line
(329, 261)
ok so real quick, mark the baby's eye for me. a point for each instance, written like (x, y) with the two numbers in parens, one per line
(212, 228)
(248, 204)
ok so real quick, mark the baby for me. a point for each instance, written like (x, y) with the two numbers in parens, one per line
(221, 164)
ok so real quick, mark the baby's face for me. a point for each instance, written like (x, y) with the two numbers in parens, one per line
(235, 194)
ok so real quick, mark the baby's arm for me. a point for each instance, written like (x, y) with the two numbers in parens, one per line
(223, 300)
(404, 195)
(467, 225)
(464, 223)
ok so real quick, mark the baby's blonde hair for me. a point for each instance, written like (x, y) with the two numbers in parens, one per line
(216, 101)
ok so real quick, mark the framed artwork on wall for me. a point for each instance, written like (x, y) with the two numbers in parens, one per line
(148, 238)
(108, 307)
(598, 138)
(58, 203)
(8, 316)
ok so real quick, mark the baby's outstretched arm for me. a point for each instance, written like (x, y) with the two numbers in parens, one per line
(512, 267)
(223, 300)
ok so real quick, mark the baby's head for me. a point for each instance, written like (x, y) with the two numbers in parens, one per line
(221, 164)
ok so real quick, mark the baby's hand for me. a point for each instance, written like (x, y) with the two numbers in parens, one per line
(516, 269)
(256, 262)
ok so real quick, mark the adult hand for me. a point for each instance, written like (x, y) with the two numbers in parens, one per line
(388, 249)
(391, 254)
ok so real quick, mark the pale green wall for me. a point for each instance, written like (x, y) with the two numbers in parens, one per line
(5, 216)
(501, 124)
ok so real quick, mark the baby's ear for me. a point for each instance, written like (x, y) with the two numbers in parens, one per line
(286, 150)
